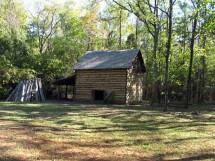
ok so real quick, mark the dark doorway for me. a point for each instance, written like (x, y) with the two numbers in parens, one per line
(98, 95)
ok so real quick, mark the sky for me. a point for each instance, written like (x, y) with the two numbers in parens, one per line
(29, 4)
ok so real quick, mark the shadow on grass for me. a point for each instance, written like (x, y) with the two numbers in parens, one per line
(123, 119)
(10, 159)
(37, 111)
(177, 140)
(199, 157)
(94, 159)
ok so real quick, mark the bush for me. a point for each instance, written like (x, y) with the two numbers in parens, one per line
(4, 93)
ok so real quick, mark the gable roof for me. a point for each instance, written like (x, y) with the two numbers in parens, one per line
(112, 59)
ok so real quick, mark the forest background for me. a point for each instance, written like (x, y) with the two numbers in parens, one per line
(176, 39)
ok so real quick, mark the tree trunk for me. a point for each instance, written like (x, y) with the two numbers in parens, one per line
(120, 29)
(153, 27)
(202, 87)
(155, 88)
(191, 58)
(137, 26)
(66, 92)
(203, 80)
(168, 48)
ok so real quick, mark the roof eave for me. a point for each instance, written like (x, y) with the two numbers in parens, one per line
(105, 69)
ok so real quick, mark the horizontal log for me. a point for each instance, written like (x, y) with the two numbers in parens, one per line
(103, 78)
(91, 97)
(82, 92)
(101, 88)
(101, 71)
(100, 81)
(104, 85)
(89, 100)
(82, 95)
(84, 76)
(102, 74)
(90, 84)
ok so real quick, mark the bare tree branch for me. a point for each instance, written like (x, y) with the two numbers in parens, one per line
(144, 20)
(159, 9)
(123, 7)
(150, 7)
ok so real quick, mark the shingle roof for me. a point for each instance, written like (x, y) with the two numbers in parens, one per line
(118, 59)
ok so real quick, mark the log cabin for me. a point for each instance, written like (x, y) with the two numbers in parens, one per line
(110, 77)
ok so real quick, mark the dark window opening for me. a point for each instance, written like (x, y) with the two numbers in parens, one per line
(98, 95)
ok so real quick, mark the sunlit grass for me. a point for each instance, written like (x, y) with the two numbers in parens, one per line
(54, 131)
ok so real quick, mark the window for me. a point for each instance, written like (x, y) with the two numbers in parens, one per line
(98, 95)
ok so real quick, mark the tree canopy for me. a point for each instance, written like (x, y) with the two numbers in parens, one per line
(176, 38)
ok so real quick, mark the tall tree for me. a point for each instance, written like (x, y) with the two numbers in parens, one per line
(116, 25)
(14, 51)
(120, 29)
(192, 43)
(44, 23)
(168, 48)
(149, 13)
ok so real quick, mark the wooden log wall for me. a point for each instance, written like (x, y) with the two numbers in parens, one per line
(134, 82)
(88, 80)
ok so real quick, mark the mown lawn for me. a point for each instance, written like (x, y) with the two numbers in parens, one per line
(54, 131)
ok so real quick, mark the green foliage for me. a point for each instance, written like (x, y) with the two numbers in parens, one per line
(48, 42)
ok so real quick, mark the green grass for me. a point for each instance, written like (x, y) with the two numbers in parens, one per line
(54, 131)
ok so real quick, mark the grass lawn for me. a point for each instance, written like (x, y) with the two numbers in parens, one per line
(54, 131)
